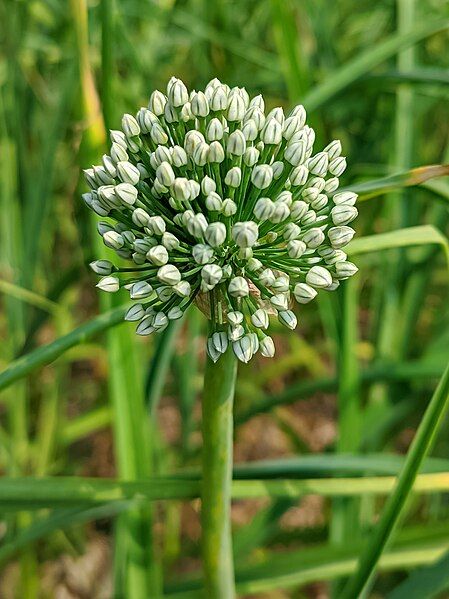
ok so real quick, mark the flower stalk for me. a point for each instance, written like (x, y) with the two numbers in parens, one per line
(217, 419)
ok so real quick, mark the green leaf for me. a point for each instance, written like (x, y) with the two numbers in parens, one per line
(425, 582)
(410, 236)
(416, 176)
(367, 60)
(48, 353)
(395, 505)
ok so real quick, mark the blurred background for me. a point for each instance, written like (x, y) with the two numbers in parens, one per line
(353, 380)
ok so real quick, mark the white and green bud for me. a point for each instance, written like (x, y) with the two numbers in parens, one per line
(243, 349)
(266, 346)
(215, 234)
(216, 153)
(113, 240)
(140, 290)
(318, 277)
(288, 319)
(203, 253)
(211, 274)
(260, 319)
(214, 130)
(130, 126)
(110, 284)
(304, 293)
(340, 236)
(165, 174)
(264, 209)
(158, 255)
(296, 248)
(245, 234)
(262, 176)
(233, 177)
(199, 105)
(135, 313)
(238, 287)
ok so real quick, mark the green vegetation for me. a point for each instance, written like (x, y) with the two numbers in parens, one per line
(341, 474)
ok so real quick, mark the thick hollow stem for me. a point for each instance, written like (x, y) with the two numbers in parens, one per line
(218, 397)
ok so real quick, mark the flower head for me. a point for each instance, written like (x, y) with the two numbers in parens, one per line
(214, 202)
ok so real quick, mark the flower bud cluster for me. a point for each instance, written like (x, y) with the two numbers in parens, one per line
(213, 201)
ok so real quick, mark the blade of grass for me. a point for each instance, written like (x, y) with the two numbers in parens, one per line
(428, 582)
(395, 506)
(416, 176)
(367, 60)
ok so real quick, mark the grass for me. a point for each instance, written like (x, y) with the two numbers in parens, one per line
(100, 433)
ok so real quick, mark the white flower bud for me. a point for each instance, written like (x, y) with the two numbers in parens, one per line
(300, 112)
(291, 126)
(101, 176)
(212, 352)
(318, 164)
(199, 105)
(109, 284)
(236, 108)
(216, 153)
(262, 176)
(160, 321)
(343, 214)
(130, 126)
(272, 132)
(102, 267)
(140, 290)
(113, 240)
(291, 231)
(304, 293)
(219, 99)
(320, 202)
(118, 153)
(340, 236)
(234, 318)
(298, 210)
(309, 218)
(208, 185)
(157, 225)
(178, 94)
(288, 319)
(213, 202)
(170, 241)
(180, 189)
(186, 113)
(238, 287)
(169, 274)
(295, 153)
(250, 130)
(337, 166)
(197, 225)
(245, 234)
(183, 289)
(220, 341)
(146, 119)
(214, 130)
(299, 175)
(215, 234)
(158, 135)
(236, 144)
(278, 169)
(260, 319)
(345, 198)
(331, 185)
(145, 326)
(157, 102)
(296, 248)
(318, 277)
(251, 156)
(118, 137)
(264, 209)
(201, 154)
(128, 173)
(136, 312)
(103, 228)
(179, 156)
(279, 301)
(158, 255)
(344, 270)
(162, 154)
(175, 313)
(267, 348)
(281, 212)
(203, 253)
(165, 174)
(313, 237)
(333, 149)
(281, 284)
(127, 193)
(243, 349)
(267, 277)
(257, 102)
(233, 177)
(211, 274)
(254, 265)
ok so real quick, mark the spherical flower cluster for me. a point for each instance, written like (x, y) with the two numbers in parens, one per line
(215, 202)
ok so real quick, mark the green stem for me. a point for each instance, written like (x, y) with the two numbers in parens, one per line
(218, 397)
